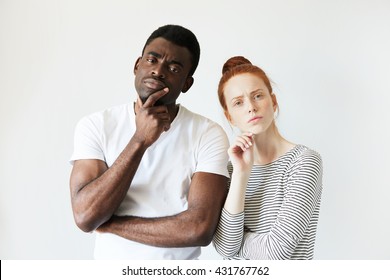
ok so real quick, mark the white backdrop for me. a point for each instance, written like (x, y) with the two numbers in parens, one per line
(61, 60)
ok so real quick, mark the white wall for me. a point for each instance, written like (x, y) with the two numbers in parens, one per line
(61, 60)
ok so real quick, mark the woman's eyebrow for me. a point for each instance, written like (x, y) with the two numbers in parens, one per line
(236, 97)
(257, 90)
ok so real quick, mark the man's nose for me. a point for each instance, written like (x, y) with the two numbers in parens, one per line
(158, 71)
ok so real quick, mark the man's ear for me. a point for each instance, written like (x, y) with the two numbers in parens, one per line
(136, 65)
(188, 84)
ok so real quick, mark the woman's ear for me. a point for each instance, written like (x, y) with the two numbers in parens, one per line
(274, 102)
(188, 84)
(228, 117)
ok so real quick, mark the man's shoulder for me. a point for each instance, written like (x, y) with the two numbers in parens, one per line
(196, 117)
(108, 113)
(202, 127)
(106, 119)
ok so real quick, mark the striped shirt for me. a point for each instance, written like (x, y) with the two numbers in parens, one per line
(280, 217)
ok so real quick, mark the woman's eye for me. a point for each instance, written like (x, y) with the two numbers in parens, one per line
(257, 96)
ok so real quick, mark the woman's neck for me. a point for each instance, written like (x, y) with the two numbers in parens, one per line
(269, 146)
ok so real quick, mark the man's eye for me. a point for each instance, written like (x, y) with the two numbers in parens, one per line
(150, 59)
(174, 69)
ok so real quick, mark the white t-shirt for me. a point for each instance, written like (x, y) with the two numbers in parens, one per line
(161, 184)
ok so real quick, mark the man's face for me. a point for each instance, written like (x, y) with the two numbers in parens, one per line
(162, 65)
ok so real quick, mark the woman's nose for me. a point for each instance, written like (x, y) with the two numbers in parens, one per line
(252, 107)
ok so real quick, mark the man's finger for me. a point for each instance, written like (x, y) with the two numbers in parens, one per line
(152, 99)
(137, 105)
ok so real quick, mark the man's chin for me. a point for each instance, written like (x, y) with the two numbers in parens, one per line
(157, 103)
(146, 95)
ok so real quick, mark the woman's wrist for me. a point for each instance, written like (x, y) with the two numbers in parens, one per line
(241, 174)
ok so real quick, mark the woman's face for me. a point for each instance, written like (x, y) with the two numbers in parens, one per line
(250, 106)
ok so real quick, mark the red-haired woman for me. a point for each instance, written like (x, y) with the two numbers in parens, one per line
(272, 208)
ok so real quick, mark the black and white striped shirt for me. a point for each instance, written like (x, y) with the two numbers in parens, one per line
(280, 217)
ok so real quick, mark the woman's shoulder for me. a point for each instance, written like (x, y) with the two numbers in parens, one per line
(303, 154)
(304, 150)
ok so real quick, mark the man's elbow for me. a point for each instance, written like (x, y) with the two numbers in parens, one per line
(84, 222)
(204, 240)
(203, 235)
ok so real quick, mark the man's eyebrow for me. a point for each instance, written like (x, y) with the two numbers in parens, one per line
(176, 62)
(155, 54)
(170, 62)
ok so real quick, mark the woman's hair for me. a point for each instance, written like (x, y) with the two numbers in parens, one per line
(239, 65)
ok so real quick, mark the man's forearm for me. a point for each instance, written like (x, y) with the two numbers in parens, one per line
(192, 227)
(181, 230)
(96, 202)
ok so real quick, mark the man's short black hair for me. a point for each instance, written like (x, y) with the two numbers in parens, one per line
(179, 36)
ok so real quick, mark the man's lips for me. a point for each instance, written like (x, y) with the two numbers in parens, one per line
(154, 84)
(254, 119)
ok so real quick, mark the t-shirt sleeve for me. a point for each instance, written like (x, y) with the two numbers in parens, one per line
(213, 146)
(87, 140)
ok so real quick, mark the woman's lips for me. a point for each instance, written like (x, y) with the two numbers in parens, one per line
(255, 119)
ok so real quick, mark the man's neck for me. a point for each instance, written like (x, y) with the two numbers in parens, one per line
(173, 109)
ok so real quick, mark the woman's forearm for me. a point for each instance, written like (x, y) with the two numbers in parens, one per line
(235, 200)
